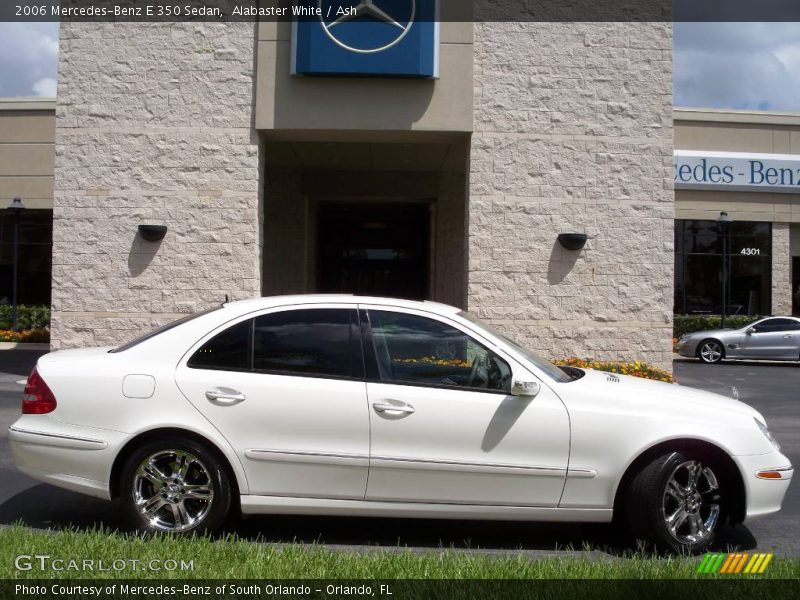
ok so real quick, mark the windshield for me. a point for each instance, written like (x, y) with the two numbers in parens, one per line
(162, 329)
(549, 368)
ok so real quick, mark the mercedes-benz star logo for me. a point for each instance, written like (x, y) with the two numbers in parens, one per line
(395, 26)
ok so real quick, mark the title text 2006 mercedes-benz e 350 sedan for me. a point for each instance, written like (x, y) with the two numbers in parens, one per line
(341, 405)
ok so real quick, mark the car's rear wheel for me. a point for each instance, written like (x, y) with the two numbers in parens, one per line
(676, 502)
(175, 486)
(710, 351)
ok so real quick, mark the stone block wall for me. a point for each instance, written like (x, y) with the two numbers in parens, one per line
(781, 269)
(153, 125)
(573, 133)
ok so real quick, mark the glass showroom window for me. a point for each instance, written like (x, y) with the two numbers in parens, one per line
(699, 249)
(35, 256)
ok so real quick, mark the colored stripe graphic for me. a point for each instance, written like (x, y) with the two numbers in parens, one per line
(767, 558)
(704, 564)
(740, 563)
(726, 568)
(718, 563)
(734, 563)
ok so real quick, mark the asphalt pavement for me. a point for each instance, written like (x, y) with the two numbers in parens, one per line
(770, 388)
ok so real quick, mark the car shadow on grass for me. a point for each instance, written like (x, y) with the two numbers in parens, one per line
(47, 507)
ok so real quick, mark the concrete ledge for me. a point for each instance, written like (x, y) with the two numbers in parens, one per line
(28, 104)
(23, 346)
(753, 117)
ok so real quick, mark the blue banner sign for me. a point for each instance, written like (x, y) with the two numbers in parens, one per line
(371, 38)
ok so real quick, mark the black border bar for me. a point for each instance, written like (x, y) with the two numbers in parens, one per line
(450, 10)
(729, 588)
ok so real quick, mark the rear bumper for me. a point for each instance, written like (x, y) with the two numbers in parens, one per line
(68, 456)
(764, 496)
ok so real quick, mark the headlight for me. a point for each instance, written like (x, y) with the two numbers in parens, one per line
(767, 434)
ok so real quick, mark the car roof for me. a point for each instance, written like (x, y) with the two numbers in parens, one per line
(275, 301)
(790, 317)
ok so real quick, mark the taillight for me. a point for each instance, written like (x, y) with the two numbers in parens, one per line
(37, 399)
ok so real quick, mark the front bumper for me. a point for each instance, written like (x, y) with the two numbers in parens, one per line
(764, 496)
(687, 348)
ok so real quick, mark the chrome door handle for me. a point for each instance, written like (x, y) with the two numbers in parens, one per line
(787, 337)
(225, 396)
(394, 409)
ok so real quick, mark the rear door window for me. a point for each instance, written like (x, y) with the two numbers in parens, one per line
(311, 342)
(226, 351)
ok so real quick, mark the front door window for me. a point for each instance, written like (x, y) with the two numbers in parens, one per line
(420, 351)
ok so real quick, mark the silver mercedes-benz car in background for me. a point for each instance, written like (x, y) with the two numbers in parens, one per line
(774, 338)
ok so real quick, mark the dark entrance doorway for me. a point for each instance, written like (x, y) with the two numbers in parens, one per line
(374, 249)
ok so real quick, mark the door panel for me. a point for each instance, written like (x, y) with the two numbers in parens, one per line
(296, 435)
(763, 345)
(468, 447)
(774, 338)
(444, 427)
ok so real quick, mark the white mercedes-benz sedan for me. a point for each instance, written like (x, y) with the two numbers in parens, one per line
(346, 405)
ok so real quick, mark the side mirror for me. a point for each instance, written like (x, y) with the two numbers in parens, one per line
(750, 330)
(525, 389)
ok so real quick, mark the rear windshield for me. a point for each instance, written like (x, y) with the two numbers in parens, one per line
(164, 328)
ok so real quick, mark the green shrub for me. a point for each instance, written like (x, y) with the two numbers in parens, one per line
(684, 324)
(28, 317)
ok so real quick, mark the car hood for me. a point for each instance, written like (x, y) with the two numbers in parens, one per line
(708, 333)
(653, 396)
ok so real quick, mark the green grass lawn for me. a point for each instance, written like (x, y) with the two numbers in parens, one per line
(233, 558)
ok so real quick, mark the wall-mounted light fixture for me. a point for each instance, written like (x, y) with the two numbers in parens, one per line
(572, 241)
(152, 233)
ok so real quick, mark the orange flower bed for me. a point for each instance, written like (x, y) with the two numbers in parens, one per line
(635, 369)
(432, 360)
(29, 335)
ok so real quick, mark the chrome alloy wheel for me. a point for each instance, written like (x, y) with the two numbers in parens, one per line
(173, 490)
(691, 502)
(711, 352)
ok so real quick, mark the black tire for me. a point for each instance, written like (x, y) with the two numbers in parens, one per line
(649, 505)
(711, 351)
(202, 488)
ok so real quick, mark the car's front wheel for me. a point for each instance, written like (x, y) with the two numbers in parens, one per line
(175, 486)
(711, 352)
(676, 502)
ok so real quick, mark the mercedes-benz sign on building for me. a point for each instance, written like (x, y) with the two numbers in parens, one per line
(384, 155)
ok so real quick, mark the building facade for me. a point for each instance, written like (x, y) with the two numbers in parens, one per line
(452, 188)
(748, 165)
(27, 133)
